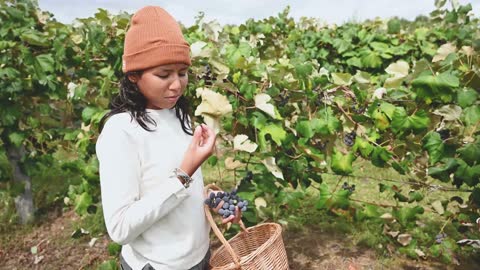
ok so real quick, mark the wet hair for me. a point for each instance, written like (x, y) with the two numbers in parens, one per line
(130, 99)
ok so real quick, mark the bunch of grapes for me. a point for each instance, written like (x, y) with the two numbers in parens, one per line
(283, 100)
(346, 186)
(356, 108)
(248, 178)
(439, 237)
(230, 200)
(349, 138)
(444, 134)
(207, 77)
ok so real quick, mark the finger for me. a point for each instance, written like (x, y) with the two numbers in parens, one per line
(197, 133)
(228, 219)
(209, 137)
(219, 206)
(238, 215)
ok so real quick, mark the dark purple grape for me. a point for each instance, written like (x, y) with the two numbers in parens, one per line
(225, 206)
(444, 134)
(212, 195)
(231, 208)
(221, 211)
(208, 201)
(240, 204)
(244, 208)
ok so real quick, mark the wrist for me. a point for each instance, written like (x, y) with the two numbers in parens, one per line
(188, 167)
(184, 178)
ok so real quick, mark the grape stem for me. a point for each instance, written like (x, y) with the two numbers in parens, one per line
(345, 113)
(406, 182)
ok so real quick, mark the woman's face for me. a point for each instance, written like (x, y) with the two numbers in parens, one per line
(162, 85)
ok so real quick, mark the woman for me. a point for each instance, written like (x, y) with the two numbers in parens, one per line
(150, 175)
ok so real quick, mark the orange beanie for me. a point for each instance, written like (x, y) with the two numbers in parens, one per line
(154, 38)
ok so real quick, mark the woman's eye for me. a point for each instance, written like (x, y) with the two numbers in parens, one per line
(162, 76)
(182, 74)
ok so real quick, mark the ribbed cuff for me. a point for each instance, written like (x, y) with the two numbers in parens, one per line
(156, 56)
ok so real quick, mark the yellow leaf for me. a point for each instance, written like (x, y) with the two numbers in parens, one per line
(231, 164)
(272, 167)
(242, 143)
(200, 49)
(444, 51)
(261, 103)
(260, 202)
(213, 106)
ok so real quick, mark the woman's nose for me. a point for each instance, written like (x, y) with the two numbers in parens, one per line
(175, 85)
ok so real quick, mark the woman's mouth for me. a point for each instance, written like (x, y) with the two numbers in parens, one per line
(172, 98)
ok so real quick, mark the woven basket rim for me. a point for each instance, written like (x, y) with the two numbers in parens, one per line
(247, 258)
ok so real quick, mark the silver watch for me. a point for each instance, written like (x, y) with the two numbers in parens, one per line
(184, 176)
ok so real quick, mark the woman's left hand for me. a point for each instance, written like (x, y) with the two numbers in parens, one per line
(232, 218)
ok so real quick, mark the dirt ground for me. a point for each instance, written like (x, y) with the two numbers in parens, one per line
(309, 248)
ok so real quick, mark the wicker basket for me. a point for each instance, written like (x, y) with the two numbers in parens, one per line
(256, 248)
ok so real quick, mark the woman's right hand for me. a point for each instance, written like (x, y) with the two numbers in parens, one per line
(201, 147)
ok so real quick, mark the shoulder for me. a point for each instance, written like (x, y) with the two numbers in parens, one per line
(123, 121)
(120, 126)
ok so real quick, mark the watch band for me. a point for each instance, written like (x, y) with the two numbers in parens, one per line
(184, 176)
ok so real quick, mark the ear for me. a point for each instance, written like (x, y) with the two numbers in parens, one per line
(134, 78)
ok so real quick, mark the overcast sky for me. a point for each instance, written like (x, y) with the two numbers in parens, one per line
(236, 12)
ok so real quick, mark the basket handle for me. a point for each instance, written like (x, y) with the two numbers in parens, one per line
(216, 230)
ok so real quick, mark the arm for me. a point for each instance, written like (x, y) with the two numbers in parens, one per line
(126, 214)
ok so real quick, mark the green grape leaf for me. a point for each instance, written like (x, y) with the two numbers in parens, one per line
(406, 215)
(363, 146)
(327, 123)
(371, 60)
(466, 97)
(440, 86)
(394, 26)
(466, 174)
(380, 119)
(342, 164)
(471, 115)
(304, 128)
(380, 156)
(16, 138)
(443, 172)
(434, 146)
(403, 124)
(470, 153)
(415, 196)
(400, 197)
(475, 196)
(82, 202)
(329, 200)
(87, 113)
(35, 38)
(342, 78)
(276, 131)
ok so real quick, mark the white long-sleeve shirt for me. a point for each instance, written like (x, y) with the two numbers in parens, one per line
(146, 209)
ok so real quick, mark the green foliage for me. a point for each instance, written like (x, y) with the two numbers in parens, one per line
(396, 84)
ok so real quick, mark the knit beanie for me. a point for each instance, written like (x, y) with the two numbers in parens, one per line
(154, 38)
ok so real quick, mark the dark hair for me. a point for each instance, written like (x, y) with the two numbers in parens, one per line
(130, 99)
